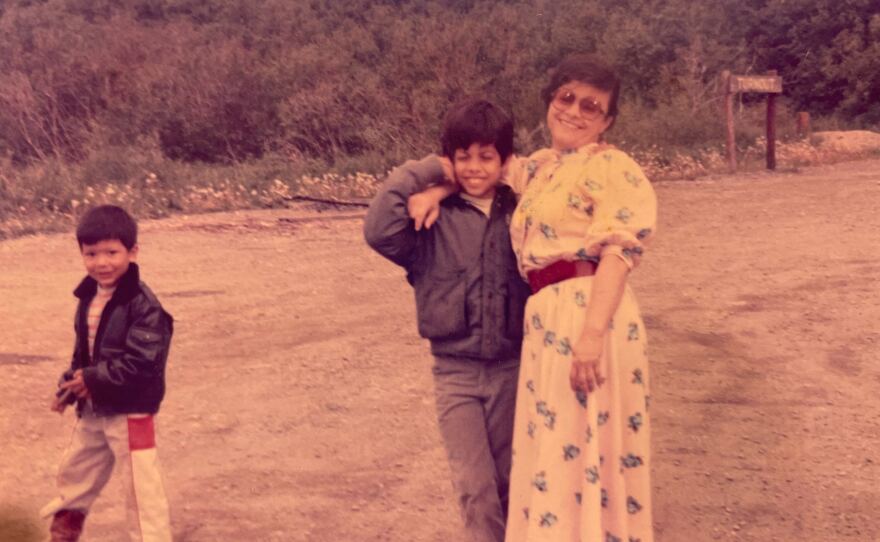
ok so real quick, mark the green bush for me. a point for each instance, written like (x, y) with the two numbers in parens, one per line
(218, 99)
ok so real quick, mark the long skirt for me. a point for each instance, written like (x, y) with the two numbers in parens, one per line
(581, 466)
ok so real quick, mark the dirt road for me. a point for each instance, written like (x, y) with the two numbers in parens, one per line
(300, 407)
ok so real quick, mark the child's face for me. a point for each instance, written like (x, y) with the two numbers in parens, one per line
(106, 261)
(477, 169)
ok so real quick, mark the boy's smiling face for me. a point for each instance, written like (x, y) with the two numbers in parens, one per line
(106, 261)
(478, 169)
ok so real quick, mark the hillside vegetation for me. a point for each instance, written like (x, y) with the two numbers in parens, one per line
(199, 104)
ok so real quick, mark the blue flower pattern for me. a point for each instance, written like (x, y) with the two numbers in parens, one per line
(592, 185)
(564, 347)
(624, 215)
(540, 482)
(548, 415)
(548, 231)
(617, 213)
(637, 377)
(633, 506)
(632, 178)
(632, 332)
(536, 322)
(635, 421)
(548, 519)
(631, 461)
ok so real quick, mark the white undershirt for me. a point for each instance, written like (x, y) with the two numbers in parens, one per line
(96, 308)
(483, 204)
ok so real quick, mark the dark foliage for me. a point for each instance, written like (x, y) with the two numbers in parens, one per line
(225, 81)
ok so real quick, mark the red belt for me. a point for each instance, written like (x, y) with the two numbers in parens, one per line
(559, 271)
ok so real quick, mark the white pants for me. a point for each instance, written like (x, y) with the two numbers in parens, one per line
(128, 441)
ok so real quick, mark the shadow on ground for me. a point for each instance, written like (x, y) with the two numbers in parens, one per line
(18, 526)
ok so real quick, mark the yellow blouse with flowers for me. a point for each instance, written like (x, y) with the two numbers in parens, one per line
(580, 205)
(581, 461)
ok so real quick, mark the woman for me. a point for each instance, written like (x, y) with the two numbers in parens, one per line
(581, 433)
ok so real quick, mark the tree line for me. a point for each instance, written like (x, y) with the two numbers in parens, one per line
(362, 84)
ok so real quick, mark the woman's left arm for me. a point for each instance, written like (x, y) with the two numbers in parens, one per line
(624, 217)
(608, 286)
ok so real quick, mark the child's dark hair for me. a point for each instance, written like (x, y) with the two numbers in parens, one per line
(475, 120)
(106, 222)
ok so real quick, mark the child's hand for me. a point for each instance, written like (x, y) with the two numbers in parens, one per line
(77, 385)
(61, 401)
(57, 406)
(424, 209)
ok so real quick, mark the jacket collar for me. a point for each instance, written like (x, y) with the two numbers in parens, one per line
(129, 285)
(502, 193)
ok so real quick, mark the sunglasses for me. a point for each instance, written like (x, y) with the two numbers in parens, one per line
(588, 107)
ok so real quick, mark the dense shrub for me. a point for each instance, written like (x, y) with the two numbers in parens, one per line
(224, 81)
(107, 91)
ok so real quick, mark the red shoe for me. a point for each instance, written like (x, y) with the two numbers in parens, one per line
(67, 525)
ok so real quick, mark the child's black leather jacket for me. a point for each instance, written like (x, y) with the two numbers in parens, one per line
(127, 374)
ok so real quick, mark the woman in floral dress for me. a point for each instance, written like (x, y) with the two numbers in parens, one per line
(582, 434)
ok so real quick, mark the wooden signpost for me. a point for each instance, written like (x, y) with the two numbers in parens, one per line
(770, 84)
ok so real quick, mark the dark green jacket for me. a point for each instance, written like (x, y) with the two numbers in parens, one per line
(469, 295)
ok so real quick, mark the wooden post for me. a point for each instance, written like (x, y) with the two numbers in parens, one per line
(728, 114)
(771, 127)
(803, 125)
(771, 85)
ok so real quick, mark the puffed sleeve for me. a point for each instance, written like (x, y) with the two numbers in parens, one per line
(623, 207)
(520, 170)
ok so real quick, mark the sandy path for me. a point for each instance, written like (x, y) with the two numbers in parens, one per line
(300, 407)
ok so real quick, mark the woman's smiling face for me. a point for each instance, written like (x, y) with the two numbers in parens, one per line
(573, 118)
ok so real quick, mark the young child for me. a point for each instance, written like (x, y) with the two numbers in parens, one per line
(469, 299)
(117, 380)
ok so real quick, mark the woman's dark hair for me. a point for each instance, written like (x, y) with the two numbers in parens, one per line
(476, 120)
(585, 69)
(106, 222)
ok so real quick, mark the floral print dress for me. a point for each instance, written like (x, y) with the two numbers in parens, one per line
(580, 461)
